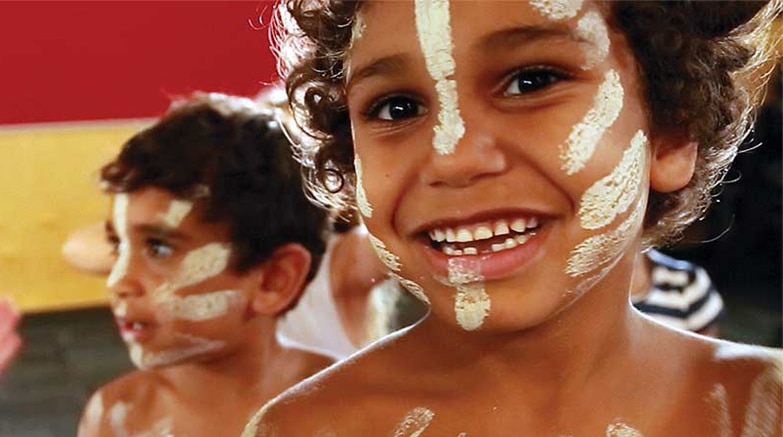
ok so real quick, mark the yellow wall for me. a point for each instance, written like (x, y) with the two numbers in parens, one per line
(48, 187)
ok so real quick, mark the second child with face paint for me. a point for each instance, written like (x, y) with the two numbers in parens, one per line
(510, 161)
(215, 240)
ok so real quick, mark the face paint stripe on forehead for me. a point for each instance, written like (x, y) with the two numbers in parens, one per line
(361, 195)
(592, 27)
(178, 210)
(434, 31)
(120, 219)
(414, 423)
(584, 137)
(557, 9)
(613, 194)
(389, 259)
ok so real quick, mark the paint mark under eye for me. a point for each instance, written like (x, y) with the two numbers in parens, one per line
(414, 423)
(619, 429)
(203, 263)
(434, 31)
(471, 302)
(592, 27)
(200, 307)
(389, 259)
(120, 218)
(176, 213)
(365, 208)
(557, 9)
(415, 289)
(603, 249)
(613, 194)
(584, 136)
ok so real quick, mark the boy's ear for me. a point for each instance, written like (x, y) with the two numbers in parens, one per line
(673, 163)
(281, 279)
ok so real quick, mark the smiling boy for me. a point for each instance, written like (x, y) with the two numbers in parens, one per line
(214, 241)
(510, 161)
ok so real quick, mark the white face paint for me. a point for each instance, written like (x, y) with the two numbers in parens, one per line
(592, 28)
(361, 195)
(414, 423)
(602, 250)
(619, 429)
(178, 210)
(200, 307)
(471, 302)
(203, 263)
(415, 289)
(584, 137)
(614, 194)
(144, 359)
(121, 310)
(389, 259)
(118, 414)
(94, 410)
(434, 31)
(557, 9)
(120, 219)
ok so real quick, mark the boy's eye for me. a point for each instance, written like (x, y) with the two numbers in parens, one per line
(158, 248)
(396, 108)
(532, 80)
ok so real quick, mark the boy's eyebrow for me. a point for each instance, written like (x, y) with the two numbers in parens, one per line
(386, 66)
(161, 231)
(506, 39)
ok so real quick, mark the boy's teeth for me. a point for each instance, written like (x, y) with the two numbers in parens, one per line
(437, 235)
(501, 228)
(518, 225)
(522, 239)
(470, 251)
(510, 243)
(464, 235)
(482, 233)
(532, 223)
(450, 236)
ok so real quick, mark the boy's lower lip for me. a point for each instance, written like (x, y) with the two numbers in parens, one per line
(134, 333)
(496, 265)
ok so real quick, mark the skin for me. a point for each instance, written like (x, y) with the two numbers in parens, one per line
(10, 341)
(546, 361)
(230, 382)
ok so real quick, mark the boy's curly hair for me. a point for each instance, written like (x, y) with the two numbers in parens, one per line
(230, 155)
(700, 64)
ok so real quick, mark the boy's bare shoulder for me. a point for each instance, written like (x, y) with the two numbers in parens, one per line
(354, 397)
(136, 386)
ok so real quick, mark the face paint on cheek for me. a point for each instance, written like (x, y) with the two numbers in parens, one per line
(471, 302)
(200, 307)
(557, 9)
(619, 429)
(178, 210)
(414, 423)
(603, 250)
(584, 137)
(361, 195)
(203, 263)
(718, 399)
(613, 194)
(413, 288)
(434, 31)
(144, 359)
(120, 219)
(592, 27)
(388, 259)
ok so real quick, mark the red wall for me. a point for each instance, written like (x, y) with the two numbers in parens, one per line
(63, 61)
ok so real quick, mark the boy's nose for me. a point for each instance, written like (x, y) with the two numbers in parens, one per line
(477, 155)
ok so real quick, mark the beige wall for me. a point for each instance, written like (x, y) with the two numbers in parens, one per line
(48, 187)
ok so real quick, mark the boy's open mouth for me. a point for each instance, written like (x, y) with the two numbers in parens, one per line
(484, 238)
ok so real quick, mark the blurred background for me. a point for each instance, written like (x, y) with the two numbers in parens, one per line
(79, 78)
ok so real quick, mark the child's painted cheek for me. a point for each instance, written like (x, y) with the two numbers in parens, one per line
(585, 135)
(120, 220)
(365, 208)
(434, 32)
(193, 346)
(413, 288)
(390, 260)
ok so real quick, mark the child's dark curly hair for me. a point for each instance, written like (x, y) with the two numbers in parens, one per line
(700, 65)
(230, 155)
